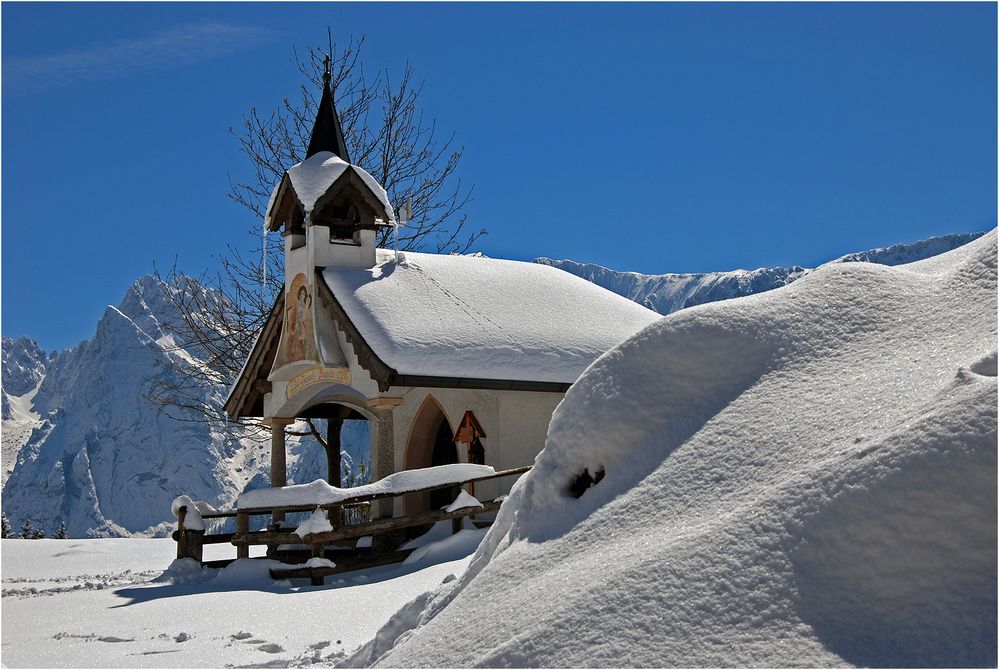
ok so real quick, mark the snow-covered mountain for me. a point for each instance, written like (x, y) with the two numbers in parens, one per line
(23, 368)
(94, 452)
(667, 293)
(90, 450)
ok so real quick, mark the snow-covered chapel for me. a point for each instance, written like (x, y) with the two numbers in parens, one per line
(451, 358)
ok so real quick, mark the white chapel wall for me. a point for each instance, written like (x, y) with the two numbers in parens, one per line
(515, 422)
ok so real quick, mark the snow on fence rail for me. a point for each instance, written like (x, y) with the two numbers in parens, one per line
(191, 537)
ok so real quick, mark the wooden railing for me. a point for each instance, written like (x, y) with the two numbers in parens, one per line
(190, 543)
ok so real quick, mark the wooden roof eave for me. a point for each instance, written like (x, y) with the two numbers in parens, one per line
(276, 221)
(246, 392)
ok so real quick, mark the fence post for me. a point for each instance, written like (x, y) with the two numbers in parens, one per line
(242, 529)
(181, 532)
(190, 543)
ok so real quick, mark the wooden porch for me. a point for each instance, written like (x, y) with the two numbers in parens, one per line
(339, 544)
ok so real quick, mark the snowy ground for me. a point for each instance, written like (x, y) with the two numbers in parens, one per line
(93, 603)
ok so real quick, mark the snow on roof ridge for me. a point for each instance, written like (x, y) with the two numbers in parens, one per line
(483, 318)
(312, 177)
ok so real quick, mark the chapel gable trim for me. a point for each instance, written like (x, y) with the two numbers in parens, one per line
(247, 396)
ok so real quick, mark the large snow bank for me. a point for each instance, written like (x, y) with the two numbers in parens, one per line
(322, 493)
(804, 477)
(475, 317)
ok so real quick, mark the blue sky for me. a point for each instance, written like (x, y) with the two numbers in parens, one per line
(646, 137)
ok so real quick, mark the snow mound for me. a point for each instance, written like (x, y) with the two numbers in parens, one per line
(464, 499)
(804, 477)
(317, 522)
(192, 520)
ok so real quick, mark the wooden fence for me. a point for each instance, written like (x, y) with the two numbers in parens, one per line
(190, 543)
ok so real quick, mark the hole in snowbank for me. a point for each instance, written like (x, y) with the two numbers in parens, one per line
(584, 481)
(985, 366)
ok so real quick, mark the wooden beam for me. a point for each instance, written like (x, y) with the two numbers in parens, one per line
(379, 496)
(345, 564)
(360, 530)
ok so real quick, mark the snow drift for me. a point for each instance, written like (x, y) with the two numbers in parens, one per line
(804, 477)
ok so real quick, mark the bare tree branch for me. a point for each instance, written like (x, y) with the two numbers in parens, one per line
(388, 134)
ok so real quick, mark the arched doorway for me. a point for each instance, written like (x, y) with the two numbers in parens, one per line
(444, 454)
(347, 438)
(431, 442)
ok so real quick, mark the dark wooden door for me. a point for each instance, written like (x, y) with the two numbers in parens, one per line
(444, 454)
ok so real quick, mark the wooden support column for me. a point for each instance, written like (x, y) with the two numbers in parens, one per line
(279, 470)
(382, 448)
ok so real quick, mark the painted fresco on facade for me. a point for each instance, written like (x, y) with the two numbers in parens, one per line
(298, 341)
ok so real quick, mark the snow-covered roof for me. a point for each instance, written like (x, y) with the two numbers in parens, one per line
(312, 178)
(482, 318)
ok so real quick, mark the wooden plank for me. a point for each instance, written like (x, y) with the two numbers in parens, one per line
(342, 565)
(219, 514)
(360, 530)
(221, 538)
(381, 496)
(181, 535)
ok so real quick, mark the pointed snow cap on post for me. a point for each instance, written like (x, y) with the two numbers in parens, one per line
(327, 135)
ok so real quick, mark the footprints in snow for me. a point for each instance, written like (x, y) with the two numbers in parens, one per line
(317, 652)
(314, 653)
(51, 586)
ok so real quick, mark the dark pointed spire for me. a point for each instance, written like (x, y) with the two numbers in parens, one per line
(327, 135)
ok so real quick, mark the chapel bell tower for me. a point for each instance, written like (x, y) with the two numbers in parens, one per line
(328, 210)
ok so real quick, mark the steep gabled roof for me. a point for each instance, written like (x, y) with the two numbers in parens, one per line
(472, 322)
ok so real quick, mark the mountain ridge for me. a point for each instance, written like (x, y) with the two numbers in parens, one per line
(669, 292)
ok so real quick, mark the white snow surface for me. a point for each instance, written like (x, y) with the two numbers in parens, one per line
(312, 178)
(477, 317)
(804, 477)
(464, 499)
(317, 522)
(192, 518)
(316, 562)
(320, 492)
(108, 603)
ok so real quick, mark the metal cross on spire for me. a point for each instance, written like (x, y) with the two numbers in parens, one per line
(327, 134)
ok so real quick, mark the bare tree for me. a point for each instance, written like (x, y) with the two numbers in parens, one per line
(387, 133)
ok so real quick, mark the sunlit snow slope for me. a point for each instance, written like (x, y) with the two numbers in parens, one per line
(803, 477)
